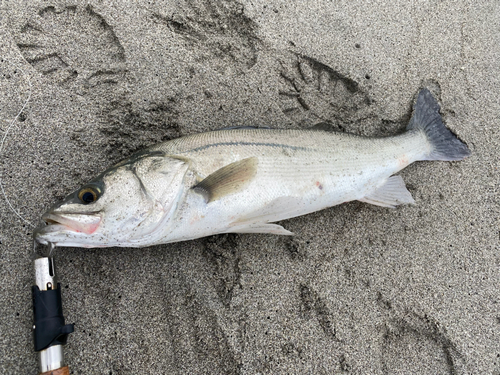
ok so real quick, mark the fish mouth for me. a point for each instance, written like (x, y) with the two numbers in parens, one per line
(75, 222)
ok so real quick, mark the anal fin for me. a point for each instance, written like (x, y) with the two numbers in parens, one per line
(259, 228)
(391, 194)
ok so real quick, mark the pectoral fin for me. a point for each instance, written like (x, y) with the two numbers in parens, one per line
(391, 194)
(230, 179)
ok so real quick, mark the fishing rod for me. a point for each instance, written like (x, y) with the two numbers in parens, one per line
(50, 332)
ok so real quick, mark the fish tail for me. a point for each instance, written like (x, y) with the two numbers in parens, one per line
(426, 118)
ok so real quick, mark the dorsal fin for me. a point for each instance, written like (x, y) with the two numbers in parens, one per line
(325, 127)
(244, 127)
(230, 179)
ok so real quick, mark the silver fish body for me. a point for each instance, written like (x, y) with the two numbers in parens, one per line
(242, 181)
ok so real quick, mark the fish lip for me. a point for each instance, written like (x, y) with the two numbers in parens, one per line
(70, 221)
(52, 212)
(43, 230)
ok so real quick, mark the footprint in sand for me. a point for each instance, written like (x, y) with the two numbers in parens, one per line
(414, 344)
(312, 92)
(223, 36)
(73, 47)
(313, 305)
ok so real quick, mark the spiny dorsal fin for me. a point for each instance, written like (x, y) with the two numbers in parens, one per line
(230, 179)
(325, 127)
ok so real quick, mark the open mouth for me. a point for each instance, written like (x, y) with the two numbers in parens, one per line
(77, 222)
(50, 221)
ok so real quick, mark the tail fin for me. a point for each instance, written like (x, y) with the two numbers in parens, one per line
(426, 118)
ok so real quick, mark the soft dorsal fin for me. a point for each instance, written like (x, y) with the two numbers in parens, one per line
(230, 179)
(244, 127)
(325, 126)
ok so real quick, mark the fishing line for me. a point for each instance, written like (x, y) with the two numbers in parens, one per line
(3, 141)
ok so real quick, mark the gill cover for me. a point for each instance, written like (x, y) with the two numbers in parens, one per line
(161, 185)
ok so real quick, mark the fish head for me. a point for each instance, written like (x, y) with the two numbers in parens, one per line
(128, 205)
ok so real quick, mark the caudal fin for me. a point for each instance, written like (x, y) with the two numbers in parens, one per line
(426, 118)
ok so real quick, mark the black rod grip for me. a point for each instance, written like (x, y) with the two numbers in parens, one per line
(49, 328)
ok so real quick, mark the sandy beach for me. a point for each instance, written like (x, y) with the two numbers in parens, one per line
(359, 289)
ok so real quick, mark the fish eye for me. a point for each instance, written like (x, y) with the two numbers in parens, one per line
(88, 195)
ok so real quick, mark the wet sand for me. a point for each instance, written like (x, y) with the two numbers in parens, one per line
(359, 289)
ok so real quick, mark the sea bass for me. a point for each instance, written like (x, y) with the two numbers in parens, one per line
(243, 180)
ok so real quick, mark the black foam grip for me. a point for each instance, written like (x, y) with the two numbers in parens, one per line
(49, 320)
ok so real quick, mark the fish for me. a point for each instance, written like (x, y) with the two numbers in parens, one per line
(244, 180)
